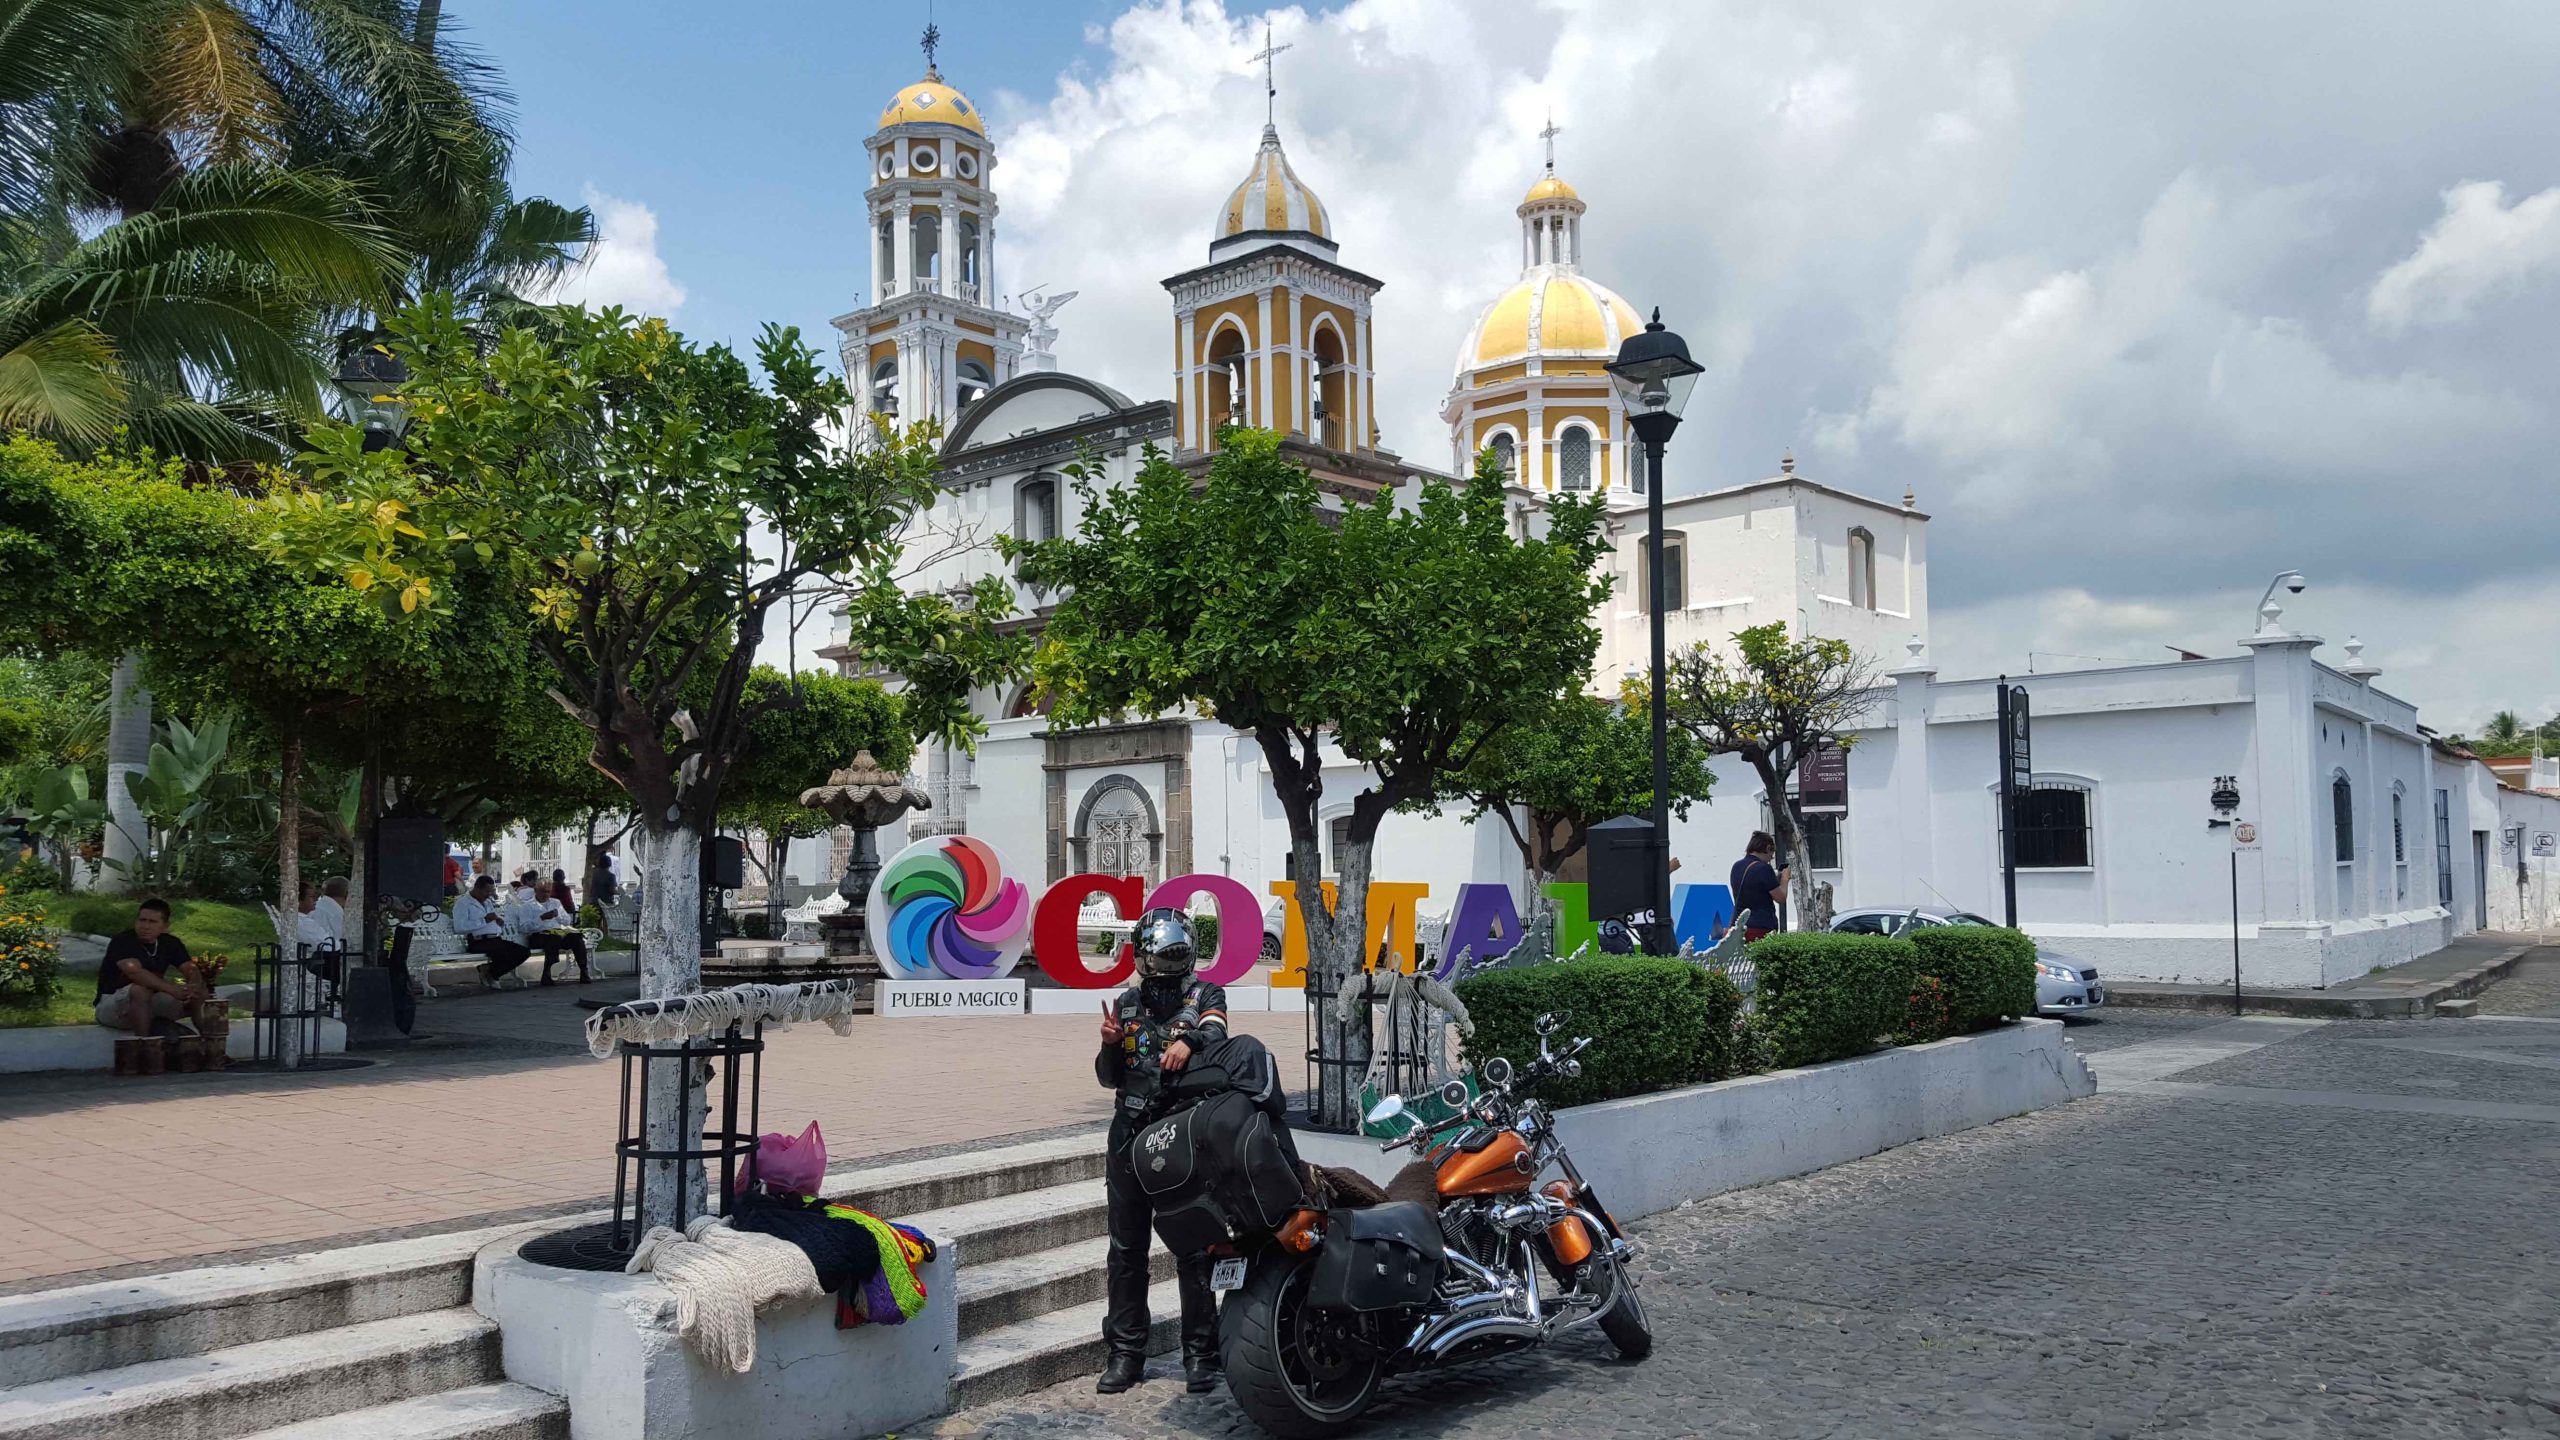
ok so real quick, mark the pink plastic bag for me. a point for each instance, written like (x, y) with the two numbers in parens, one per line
(785, 1163)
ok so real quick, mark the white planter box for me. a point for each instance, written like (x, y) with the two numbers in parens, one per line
(1648, 1153)
(93, 1047)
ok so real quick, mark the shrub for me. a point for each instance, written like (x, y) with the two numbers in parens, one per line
(1823, 996)
(1654, 1022)
(591, 916)
(1925, 1018)
(756, 925)
(30, 966)
(30, 873)
(1989, 972)
(1204, 937)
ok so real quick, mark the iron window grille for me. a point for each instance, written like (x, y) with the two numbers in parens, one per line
(2342, 809)
(2052, 827)
(1822, 838)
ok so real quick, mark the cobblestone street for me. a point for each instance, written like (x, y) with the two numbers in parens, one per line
(2330, 1230)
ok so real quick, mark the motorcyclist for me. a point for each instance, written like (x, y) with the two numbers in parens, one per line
(1153, 1028)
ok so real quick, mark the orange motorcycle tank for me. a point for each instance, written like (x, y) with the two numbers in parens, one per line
(1493, 1170)
(1569, 1236)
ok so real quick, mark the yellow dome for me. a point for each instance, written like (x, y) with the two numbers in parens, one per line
(1550, 188)
(1272, 197)
(1550, 312)
(930, 99)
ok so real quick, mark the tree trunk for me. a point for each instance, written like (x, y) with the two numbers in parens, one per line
(293, 982)
(128, 753)
(360, 918)
(1334, 946)
(781, 851)
(1789, 834)
(668, 865)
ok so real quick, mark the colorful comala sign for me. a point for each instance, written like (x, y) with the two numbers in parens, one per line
(948, 907)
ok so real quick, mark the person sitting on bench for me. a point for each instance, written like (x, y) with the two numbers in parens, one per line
(147, 977)
(479, 920)
(555, 930)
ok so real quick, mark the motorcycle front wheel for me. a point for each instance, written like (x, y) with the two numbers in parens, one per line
(1622, 1316)
(1298, 1372)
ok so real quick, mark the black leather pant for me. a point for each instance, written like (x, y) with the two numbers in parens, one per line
(1132, 1219)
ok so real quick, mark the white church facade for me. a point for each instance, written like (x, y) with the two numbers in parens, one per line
(2376, 844)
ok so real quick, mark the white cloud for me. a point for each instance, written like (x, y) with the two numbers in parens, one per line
(2096, 281)
(2480, 246)
(623, 267)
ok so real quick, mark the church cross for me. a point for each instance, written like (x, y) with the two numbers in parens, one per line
(932, 42)
(1549, 135)
(1270, 88)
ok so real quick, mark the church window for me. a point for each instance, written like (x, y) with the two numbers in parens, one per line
(1506, 453)
(888, 255)
(1332, 392)
(1862, 569)
(2342, 818)
(923, 160)
(1573, 459)
(1225, 382)
(975, 382)
(884, 386)
(1116, 833)
(2053, 826)
(966, 166)
(1675, 575)
(928, 248)
(1038, 519)
(969, 250)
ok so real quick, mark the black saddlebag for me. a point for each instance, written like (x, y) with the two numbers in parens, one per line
(1217, 1173)
(1383, 1257)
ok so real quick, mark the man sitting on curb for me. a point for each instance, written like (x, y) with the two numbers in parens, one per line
(147, 977)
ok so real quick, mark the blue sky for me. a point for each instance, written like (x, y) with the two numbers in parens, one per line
(740, 124)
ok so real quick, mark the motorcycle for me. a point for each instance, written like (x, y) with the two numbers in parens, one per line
(1469, 1257)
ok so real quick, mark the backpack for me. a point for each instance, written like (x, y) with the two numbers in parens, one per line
(1218, 1173)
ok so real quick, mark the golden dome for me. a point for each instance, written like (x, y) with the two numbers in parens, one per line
(1549, 312)
(1272, 197)
(1549, 188)
(930, 99)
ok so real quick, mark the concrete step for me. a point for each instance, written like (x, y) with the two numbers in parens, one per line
(77, 1329)
(1064, 1344)
(898, 1191)
(1006, 1291)
(504, 1411)
(247, 1388)
(1009, 1226)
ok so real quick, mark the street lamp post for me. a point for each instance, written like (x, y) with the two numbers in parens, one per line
(1654, 377)
(370, 379)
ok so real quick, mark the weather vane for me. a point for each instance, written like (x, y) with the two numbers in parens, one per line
(1549, 135)
(1270, 86)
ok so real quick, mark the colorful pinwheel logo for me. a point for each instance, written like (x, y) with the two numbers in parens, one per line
(945, 905)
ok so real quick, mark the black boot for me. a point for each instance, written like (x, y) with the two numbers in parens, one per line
(1201, 1373)
(1120, 1372)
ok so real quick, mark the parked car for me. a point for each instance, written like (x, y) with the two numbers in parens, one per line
(2063, 986)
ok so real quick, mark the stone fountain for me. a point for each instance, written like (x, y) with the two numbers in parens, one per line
(864, 797)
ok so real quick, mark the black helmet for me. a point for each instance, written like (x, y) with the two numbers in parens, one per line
(1162, 942)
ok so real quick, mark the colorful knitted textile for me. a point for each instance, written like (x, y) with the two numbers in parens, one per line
(896, 1294)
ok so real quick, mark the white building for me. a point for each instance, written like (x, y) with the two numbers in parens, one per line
(2375, 843)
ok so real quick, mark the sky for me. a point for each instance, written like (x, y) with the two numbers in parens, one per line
(2146, 301)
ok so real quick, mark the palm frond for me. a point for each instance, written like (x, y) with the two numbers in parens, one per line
(214, 433)
(63, 381)
(57, 59)
(205, 82)
(308, 230)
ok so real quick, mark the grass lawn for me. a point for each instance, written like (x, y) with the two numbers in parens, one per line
(205, 925)
(72, 1005)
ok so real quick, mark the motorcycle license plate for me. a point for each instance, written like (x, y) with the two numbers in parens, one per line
(1227, 1275)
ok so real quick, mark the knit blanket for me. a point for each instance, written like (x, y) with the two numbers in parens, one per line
(721, 1277)
(895, 1294)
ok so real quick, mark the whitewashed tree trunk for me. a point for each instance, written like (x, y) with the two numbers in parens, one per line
(293, 983)
(1334, 946)
(669, 868)
(128, 753)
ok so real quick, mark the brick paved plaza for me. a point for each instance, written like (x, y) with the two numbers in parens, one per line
(505, 1114)
(2345, 1232)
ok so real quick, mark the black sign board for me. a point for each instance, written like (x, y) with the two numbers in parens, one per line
(2019, 754)
(1823, 778)
(2017, 776)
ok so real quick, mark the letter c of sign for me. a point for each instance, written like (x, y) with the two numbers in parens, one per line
(1053, 930)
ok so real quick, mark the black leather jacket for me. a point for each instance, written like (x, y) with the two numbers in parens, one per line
(1152, 1015)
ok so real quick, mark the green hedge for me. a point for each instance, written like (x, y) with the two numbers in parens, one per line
(1823, 996)
(1989, 973)
(1655, 1023)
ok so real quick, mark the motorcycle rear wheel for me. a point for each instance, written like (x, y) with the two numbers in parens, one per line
(1296, 1373)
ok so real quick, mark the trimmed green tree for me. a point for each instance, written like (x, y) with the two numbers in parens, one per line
(805, 727)
(1773, 702)
(1552, 776)
(606, 473)
(1405, 637)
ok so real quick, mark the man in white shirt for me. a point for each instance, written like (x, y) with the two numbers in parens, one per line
(311, 928)
(332, 908)
(477, 918)
(522, 914)
(555, 930)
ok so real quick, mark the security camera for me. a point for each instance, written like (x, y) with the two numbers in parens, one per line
(2296, 584)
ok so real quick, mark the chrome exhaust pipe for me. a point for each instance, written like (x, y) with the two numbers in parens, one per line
(1489, 1327)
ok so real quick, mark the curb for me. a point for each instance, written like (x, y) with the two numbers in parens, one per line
(2324, 1004)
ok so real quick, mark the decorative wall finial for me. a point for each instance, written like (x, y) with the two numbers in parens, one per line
(1787, 461)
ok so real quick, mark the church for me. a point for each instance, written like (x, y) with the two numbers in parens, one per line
(2378, 842)
(1275, 329)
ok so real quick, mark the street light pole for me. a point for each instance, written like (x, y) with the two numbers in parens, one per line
(1654, 375)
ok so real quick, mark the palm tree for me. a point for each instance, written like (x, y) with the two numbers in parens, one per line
(2504, 728)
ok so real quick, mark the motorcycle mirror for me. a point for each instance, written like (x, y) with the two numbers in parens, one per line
(1387, 1108)
(1454, 1094)
(1497, 1071)
(1547, 1023)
